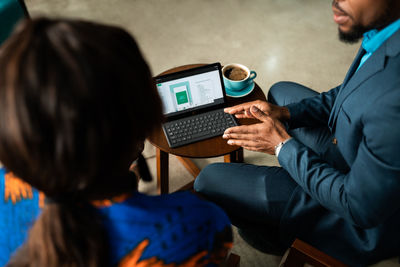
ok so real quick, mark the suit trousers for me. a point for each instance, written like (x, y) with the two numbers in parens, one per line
(255, 197)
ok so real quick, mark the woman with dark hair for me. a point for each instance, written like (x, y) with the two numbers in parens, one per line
(76, 104)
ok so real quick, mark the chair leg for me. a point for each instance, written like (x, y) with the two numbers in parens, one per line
(233, 260)
(301, 254)
(236, 156)
(162, 172)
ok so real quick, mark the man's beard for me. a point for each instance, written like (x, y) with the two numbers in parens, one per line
(357, 31)
(354, 35)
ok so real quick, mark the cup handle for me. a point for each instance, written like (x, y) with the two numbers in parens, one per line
(253, 74)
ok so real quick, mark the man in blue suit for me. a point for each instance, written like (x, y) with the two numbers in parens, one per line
(338, 187)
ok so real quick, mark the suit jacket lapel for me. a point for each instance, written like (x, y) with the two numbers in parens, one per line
(373, 65)
(349, 74)
(354, 66)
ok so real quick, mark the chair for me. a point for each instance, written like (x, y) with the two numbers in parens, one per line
(302, 254)
(232, 260)
(11, 11)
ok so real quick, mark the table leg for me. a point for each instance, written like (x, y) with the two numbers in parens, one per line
(162, 172)
(239, 155)
(163, 167)
(236, 156)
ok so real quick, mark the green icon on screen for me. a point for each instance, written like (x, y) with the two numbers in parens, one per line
(181, 97)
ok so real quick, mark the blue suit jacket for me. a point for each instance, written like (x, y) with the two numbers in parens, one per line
(11, 11)
(353, 216)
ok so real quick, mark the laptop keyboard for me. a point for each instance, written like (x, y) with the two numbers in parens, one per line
(196, 128)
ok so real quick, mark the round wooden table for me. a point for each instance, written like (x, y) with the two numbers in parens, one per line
(213, 147)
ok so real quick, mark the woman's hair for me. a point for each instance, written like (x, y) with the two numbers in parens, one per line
(76, 102)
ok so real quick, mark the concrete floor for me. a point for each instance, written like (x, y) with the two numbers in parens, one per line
(292, 40)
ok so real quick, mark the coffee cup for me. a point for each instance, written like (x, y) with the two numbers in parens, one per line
(237, 76)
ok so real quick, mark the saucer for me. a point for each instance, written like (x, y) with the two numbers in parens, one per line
(240, 93)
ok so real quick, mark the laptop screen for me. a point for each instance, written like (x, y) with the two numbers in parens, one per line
(191, 90)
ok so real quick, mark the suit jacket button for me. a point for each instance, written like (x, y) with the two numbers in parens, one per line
(334, 141)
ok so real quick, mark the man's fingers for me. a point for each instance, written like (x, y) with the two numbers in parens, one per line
(238, 136)
(244, 115)
(258, 114)
(240, 108)
(249, 144)
(241, 115)
(234, 109)
(243, 129)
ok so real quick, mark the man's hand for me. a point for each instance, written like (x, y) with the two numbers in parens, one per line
(262, 137)
(274, 111)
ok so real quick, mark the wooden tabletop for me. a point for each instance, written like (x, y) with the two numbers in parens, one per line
(212, 147)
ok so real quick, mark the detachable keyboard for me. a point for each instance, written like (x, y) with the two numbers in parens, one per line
(198, 127)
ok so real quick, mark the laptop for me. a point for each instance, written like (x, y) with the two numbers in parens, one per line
(193, 102)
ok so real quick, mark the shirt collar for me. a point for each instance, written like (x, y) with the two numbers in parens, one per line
(373, 39)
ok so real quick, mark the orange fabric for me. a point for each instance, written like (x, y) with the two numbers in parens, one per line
(41, 200)
(109, 202)
(220, 255)
(16, 189)
(132, 259)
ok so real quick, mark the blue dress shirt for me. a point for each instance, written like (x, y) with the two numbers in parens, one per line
(373, 39)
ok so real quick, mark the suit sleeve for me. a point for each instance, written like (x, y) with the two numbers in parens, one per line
(369, 193)
(313, 111)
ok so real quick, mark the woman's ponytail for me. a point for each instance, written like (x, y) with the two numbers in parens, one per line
(67, 234)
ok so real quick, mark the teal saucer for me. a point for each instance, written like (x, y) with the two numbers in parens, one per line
(240, 93)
